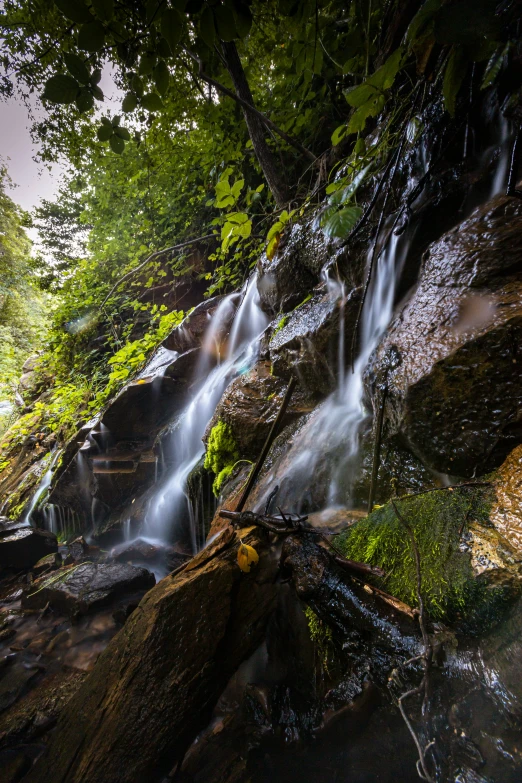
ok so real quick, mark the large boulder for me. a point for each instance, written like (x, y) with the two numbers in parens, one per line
(84, 588)
(250, 405)
(286, 279)
(22, 547)
(155, 685)
(454, 385)
(307, 340)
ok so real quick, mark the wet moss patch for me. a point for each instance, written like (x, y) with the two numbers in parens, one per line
(450, 589)
(222, 454)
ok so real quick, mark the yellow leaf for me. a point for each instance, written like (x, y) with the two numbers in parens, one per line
(246, 557)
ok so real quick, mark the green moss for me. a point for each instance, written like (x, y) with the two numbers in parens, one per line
(281, 325)
(321, 635)
(222, 454)
(449, 589)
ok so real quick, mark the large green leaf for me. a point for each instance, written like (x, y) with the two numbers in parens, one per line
(152, 102)
(61, 88)
(85, 100)
(76, 67)
(137, 85)
(122, 133)
(96, 76)
(453, 77)
(147, 63)
(91, 37)
(76, 10)
(104, 132)
(225, 23)
(161, 77)
(117, 144)
(369, 109)
(243, 18)
(130, 102)
(341, 223)
(207, 29)
(103, 9)
(171, 28)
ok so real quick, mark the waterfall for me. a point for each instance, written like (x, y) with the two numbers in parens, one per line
(170, 504)
(41, 490)
(332, 435)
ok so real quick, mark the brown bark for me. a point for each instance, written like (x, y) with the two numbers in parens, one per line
(256, 128)
(154, 687)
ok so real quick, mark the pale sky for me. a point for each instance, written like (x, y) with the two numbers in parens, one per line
(31, 180)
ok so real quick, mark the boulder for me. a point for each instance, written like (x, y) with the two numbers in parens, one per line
(155, 685)
(286, 279)
(306, 341)
(190, 332)
(24, 546)
(455, 386)
(251, 403)
(81, 589)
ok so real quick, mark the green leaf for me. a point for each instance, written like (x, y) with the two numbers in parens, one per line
(494, 65)
(163, 49)
(117, 144)
(122, 133)
(84, 100)
(137, 85)
(76, 10)
(106, 121)
(96, 76)
(226, 28)
(61, 88)
(98, 94)
(91, 37)
(103, 9)
(341, 223)
(115, 121)
(171, 28)
(147, 63)
(161, 77)
(130, 102)
(338, 134)
(422, 18)
(207, 29)
(453, 77)
(152, 102)
(104, 132)
(237, 187)
(243, 19)
(371, 108)
(275, 230)
(76, 67)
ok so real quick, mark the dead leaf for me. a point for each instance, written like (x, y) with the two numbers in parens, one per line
(246, 557)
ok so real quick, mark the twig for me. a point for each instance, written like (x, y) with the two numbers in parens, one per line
(151, 258)
(377, 448)
(513, 168)
(267, 445)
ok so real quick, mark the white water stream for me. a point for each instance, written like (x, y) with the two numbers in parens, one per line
(170, 503)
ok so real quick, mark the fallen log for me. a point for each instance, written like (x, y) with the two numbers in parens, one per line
(155, 685)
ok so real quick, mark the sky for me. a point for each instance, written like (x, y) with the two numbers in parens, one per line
(32, 181)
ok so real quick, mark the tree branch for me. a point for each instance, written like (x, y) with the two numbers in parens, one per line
(151, 258)
(248, 107)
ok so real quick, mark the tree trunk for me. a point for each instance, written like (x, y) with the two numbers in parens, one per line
(256, 128)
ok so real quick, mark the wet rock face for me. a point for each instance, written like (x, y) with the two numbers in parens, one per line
(190, 332)
(306, 341)
(24, 546)
(455, 392)
(250, 405)
(284, 281)
(86, 587)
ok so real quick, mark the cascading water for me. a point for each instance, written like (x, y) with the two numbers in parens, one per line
(331, 437)
(41, 490)
(171, 503)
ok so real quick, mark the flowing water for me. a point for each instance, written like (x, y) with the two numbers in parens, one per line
(41, 490)
(331, 437)
(170, 505)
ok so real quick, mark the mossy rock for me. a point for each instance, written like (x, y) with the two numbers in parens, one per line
(451, 589)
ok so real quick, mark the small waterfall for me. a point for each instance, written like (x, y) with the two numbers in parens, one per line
(41, 490)
(500, 178)
(332, 435)
(170, 505)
